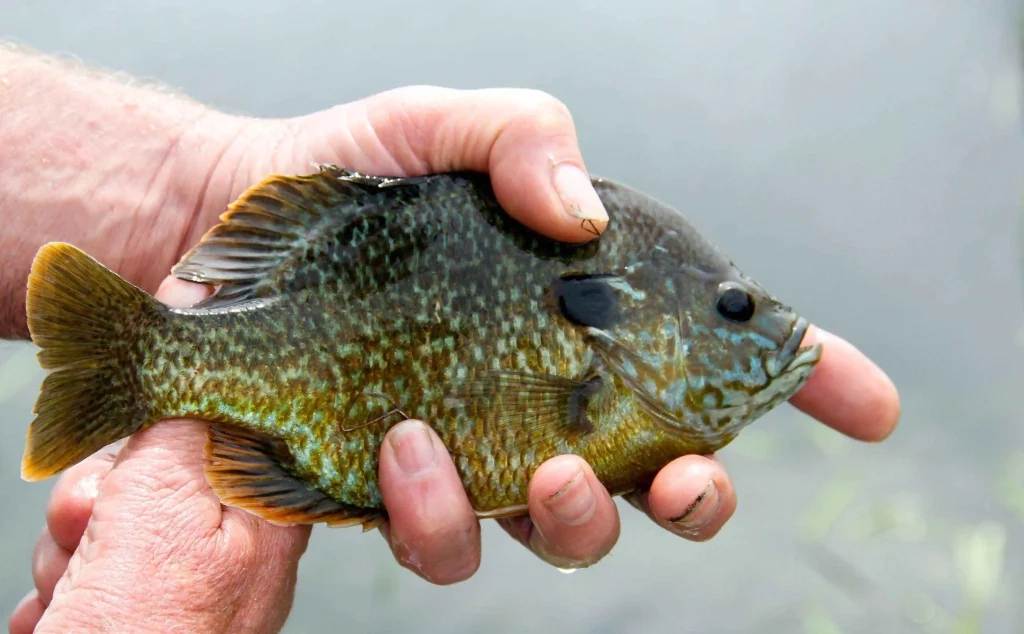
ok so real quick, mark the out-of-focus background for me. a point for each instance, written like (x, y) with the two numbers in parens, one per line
(862, 159)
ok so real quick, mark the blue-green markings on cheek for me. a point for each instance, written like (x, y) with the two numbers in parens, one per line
(654, 361)
(706, 361)
(674, 396)
(738, 338)
(626, 366)
(669, 330)
(750, 377)
(700, 329)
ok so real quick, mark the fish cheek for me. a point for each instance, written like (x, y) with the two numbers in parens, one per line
(732, 368)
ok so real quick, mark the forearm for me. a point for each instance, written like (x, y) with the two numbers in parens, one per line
(97, 161)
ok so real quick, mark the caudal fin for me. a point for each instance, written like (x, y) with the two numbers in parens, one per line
(83, 317)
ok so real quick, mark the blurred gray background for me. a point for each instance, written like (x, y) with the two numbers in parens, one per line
(862, 159)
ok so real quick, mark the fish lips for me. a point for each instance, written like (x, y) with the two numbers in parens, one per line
(791, 356)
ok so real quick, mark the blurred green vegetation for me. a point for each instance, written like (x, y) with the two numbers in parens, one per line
(849, 520)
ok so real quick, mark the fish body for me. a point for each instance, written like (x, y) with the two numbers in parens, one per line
(347, 303)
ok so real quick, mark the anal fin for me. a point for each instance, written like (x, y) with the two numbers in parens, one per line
(249, 471)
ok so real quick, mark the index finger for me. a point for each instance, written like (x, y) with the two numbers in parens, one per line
(847, 391)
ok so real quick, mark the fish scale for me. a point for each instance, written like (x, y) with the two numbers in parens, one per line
(345, 303)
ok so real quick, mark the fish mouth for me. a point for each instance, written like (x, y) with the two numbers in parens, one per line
(791, 356)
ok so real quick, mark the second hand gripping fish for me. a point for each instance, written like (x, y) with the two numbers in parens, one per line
(346, 303)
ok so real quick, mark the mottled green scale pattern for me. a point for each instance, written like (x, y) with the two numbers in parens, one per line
(392, 295)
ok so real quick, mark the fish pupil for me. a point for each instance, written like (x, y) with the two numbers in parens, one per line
(736, 304)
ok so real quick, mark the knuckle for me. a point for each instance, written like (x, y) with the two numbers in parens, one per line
(540, 102)
(543, 110)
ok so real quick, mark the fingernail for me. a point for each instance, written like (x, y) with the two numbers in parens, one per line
(413, 446)
(577, 193)
(574, 503)
(700, 511)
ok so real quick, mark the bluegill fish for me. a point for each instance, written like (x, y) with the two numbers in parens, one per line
(346, 303)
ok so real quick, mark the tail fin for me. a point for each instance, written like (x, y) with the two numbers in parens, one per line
(83, 317)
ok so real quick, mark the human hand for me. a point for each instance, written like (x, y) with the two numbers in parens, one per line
(142, 541)
(519, 137)
(136, 541)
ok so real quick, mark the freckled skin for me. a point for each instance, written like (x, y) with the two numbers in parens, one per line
(392, 296)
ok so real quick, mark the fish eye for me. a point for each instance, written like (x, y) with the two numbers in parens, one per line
(735, 304)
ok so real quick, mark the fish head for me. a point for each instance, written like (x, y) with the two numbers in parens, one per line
(704, 354)
(703, 348)
(741, 350)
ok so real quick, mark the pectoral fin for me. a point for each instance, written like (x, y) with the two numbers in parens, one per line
(250, 471)
(544, 406)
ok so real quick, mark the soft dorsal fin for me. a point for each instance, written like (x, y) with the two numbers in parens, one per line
(272, 223)
(248, 471)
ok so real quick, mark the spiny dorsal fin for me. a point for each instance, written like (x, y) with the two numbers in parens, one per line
(272, 223)
(247, 470)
